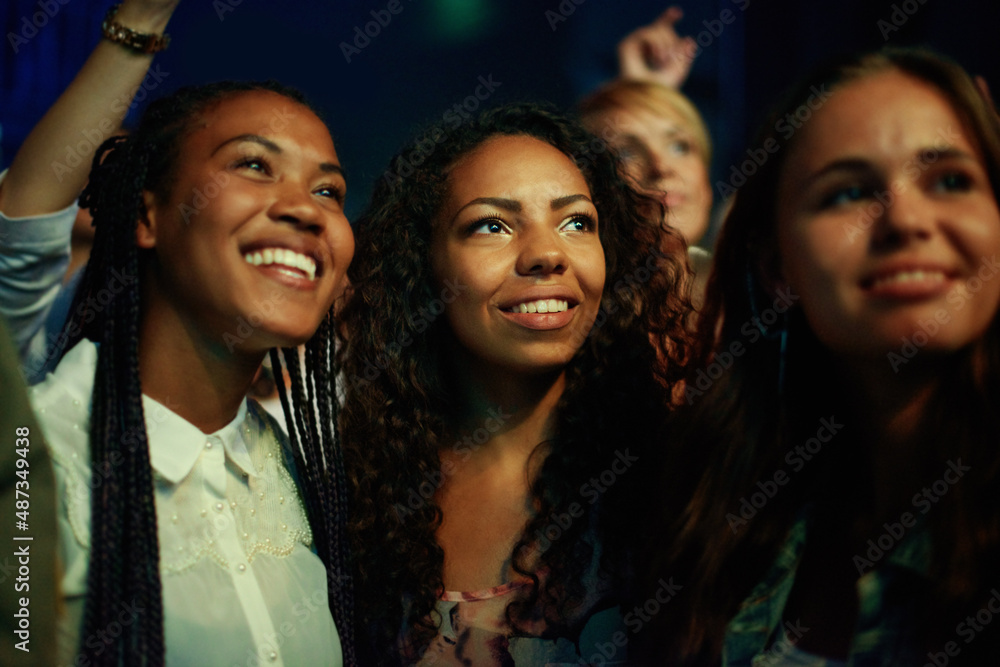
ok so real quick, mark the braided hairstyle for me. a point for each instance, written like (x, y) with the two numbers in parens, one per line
(124, 556)
(399, 398)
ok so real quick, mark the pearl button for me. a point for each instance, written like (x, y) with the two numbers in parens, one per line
(261, 495)
(175, 518)
(281, 499)
(246, 536)
(241, 567)
(208, 445)
(76, 402)
(232, 504)
(204, 512)
(253, 511)
(219, 507)
(272, 656)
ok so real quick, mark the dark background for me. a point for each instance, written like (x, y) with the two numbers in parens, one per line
(429, 57)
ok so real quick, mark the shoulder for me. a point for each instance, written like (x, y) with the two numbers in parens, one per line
(62, 400)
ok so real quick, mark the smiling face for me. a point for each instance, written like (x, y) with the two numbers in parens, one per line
(253, 230)
(518, 232)
(662, 157)
(887, 223)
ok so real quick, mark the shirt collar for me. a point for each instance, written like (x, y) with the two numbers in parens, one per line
(175, 443)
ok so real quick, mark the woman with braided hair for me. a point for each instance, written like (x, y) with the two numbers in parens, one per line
(187, 519)
(514, 332)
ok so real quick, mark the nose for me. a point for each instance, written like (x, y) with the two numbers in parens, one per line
(294, 203)
(907, 215)
(661, 165)
(541, 251)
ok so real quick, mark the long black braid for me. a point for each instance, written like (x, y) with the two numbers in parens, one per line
(124, 555)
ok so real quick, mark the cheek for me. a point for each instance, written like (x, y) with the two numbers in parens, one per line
(592, 271)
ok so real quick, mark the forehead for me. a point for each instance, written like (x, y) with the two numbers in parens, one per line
(262, 113)
(884, 116)
(650, 127)
(514, 166)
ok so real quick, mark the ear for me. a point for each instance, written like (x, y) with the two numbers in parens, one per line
(146, 225)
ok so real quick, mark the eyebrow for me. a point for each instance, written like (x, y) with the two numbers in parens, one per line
(563, 202)
(860, 164)
(514, 206)
(325, 167)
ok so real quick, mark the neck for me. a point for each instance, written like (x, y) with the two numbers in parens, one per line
(503, 415)
(200, 380)
(891, 408)
(892, 402)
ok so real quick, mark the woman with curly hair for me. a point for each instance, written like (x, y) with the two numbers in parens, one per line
(845, 468)
(513, 337)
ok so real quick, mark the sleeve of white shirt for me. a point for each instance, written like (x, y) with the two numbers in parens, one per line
(34, 254)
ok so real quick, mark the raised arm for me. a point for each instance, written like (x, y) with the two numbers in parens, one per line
(39, 181)
(36, 216)
(656, 53)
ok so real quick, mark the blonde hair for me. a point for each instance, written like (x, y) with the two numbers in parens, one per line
(654, 98)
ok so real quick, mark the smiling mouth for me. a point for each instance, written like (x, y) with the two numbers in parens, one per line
(301, 265)
(540, 306)
(929, 277)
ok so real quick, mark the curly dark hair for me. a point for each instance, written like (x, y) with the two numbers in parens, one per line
(124, 557)
(739, 431)
(399, 398)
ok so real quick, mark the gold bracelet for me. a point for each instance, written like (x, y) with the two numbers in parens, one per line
(137, 41)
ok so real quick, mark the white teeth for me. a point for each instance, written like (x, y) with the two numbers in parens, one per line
(283, 257)
(910, 276)
(541, 306)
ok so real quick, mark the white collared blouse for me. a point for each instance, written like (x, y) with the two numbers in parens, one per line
(240, 583)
